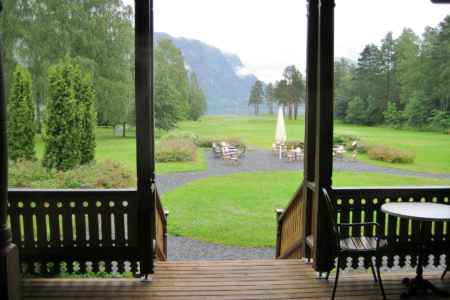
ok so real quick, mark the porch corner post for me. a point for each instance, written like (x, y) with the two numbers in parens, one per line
(145, 134)
(324, 134)
(9, 253)
(310, 118)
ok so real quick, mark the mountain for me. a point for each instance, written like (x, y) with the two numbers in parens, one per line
(222, 76)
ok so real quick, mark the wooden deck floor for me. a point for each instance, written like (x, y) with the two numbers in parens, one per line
(286, 279)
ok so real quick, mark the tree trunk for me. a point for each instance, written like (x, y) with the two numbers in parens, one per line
(295, 110)
(38, 113)
(124, 129)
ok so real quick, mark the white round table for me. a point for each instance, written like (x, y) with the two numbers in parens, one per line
(420, 211)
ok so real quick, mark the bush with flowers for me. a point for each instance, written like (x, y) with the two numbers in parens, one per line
(176, 149)
(391, 155)
(109, 174)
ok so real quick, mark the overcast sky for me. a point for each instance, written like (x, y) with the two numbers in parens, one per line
(270, 35)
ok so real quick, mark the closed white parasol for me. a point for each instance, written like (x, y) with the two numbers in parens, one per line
(280, 133)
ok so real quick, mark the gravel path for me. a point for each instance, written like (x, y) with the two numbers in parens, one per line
(185, 249)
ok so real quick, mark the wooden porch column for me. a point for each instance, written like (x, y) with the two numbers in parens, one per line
(145, 134)
(312, 44)
(319, 129)
(9, 254)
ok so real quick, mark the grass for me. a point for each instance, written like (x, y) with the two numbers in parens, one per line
(431, 146)
(124, 149)
(233, 210)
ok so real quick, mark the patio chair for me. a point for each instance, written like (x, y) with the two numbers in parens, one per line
(364, 246)
(274, 149)
(216, 151)
(290, 156)
(234, 158)
(352, 157)
(242, 152)
(283, 150)
(300, 153)
(226, 155)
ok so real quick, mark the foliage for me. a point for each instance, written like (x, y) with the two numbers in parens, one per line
(184, 134)
(167, 111)
(295, 88)
(394, 117)
(269, 96)
(175, 149)
(76, 274)
(355, 111)
(21, 125)
(441, 119)
(88, 119)
(417, 110)
(99, 35)
(169, 59)
(342, 137)
(109, 174)
(205, 142)
(197, 99)
(256, 96)
(361, 145)
(62, 137)
(291, 142)
(391, 155)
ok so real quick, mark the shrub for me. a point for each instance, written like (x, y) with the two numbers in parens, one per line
(184, 134)
(235, 141)
(109, 174)
(342, 137)
(291, 142)
(391, 155)
(362, 146)
(175, 149)
(204, 142)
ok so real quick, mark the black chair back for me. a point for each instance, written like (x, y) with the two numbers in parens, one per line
(332, 216)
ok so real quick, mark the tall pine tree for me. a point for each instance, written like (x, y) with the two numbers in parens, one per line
(21, 125)
(62, 139)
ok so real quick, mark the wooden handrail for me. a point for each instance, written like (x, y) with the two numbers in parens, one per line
(290, 228)
(160, 229)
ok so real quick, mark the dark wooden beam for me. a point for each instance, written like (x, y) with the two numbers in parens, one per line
(324, 134)
(9, 254)
(310, 117)
(145, 134)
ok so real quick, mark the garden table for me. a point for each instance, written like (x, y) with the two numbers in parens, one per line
(296, 153)
(424, 212)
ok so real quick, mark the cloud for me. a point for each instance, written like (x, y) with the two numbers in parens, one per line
(187, 67)
(243, 71)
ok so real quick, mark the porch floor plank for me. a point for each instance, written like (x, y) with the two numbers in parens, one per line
(284, 279)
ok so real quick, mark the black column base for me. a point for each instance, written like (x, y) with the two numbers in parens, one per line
(418, 283)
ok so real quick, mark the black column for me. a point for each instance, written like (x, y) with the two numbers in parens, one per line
(9, 254)
(310, 118)
(145, 134)
(324, 134)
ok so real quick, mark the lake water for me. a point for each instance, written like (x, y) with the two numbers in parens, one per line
(246, 111)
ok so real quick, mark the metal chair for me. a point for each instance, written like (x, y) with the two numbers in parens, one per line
(365, 246)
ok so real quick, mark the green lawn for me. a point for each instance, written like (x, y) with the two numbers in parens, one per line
(233, 210)
(431, 146)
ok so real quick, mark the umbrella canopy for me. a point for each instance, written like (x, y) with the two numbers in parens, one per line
(280, 133)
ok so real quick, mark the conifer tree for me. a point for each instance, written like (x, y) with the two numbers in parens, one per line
(21, 125)
(88, 121)
(61, 150)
